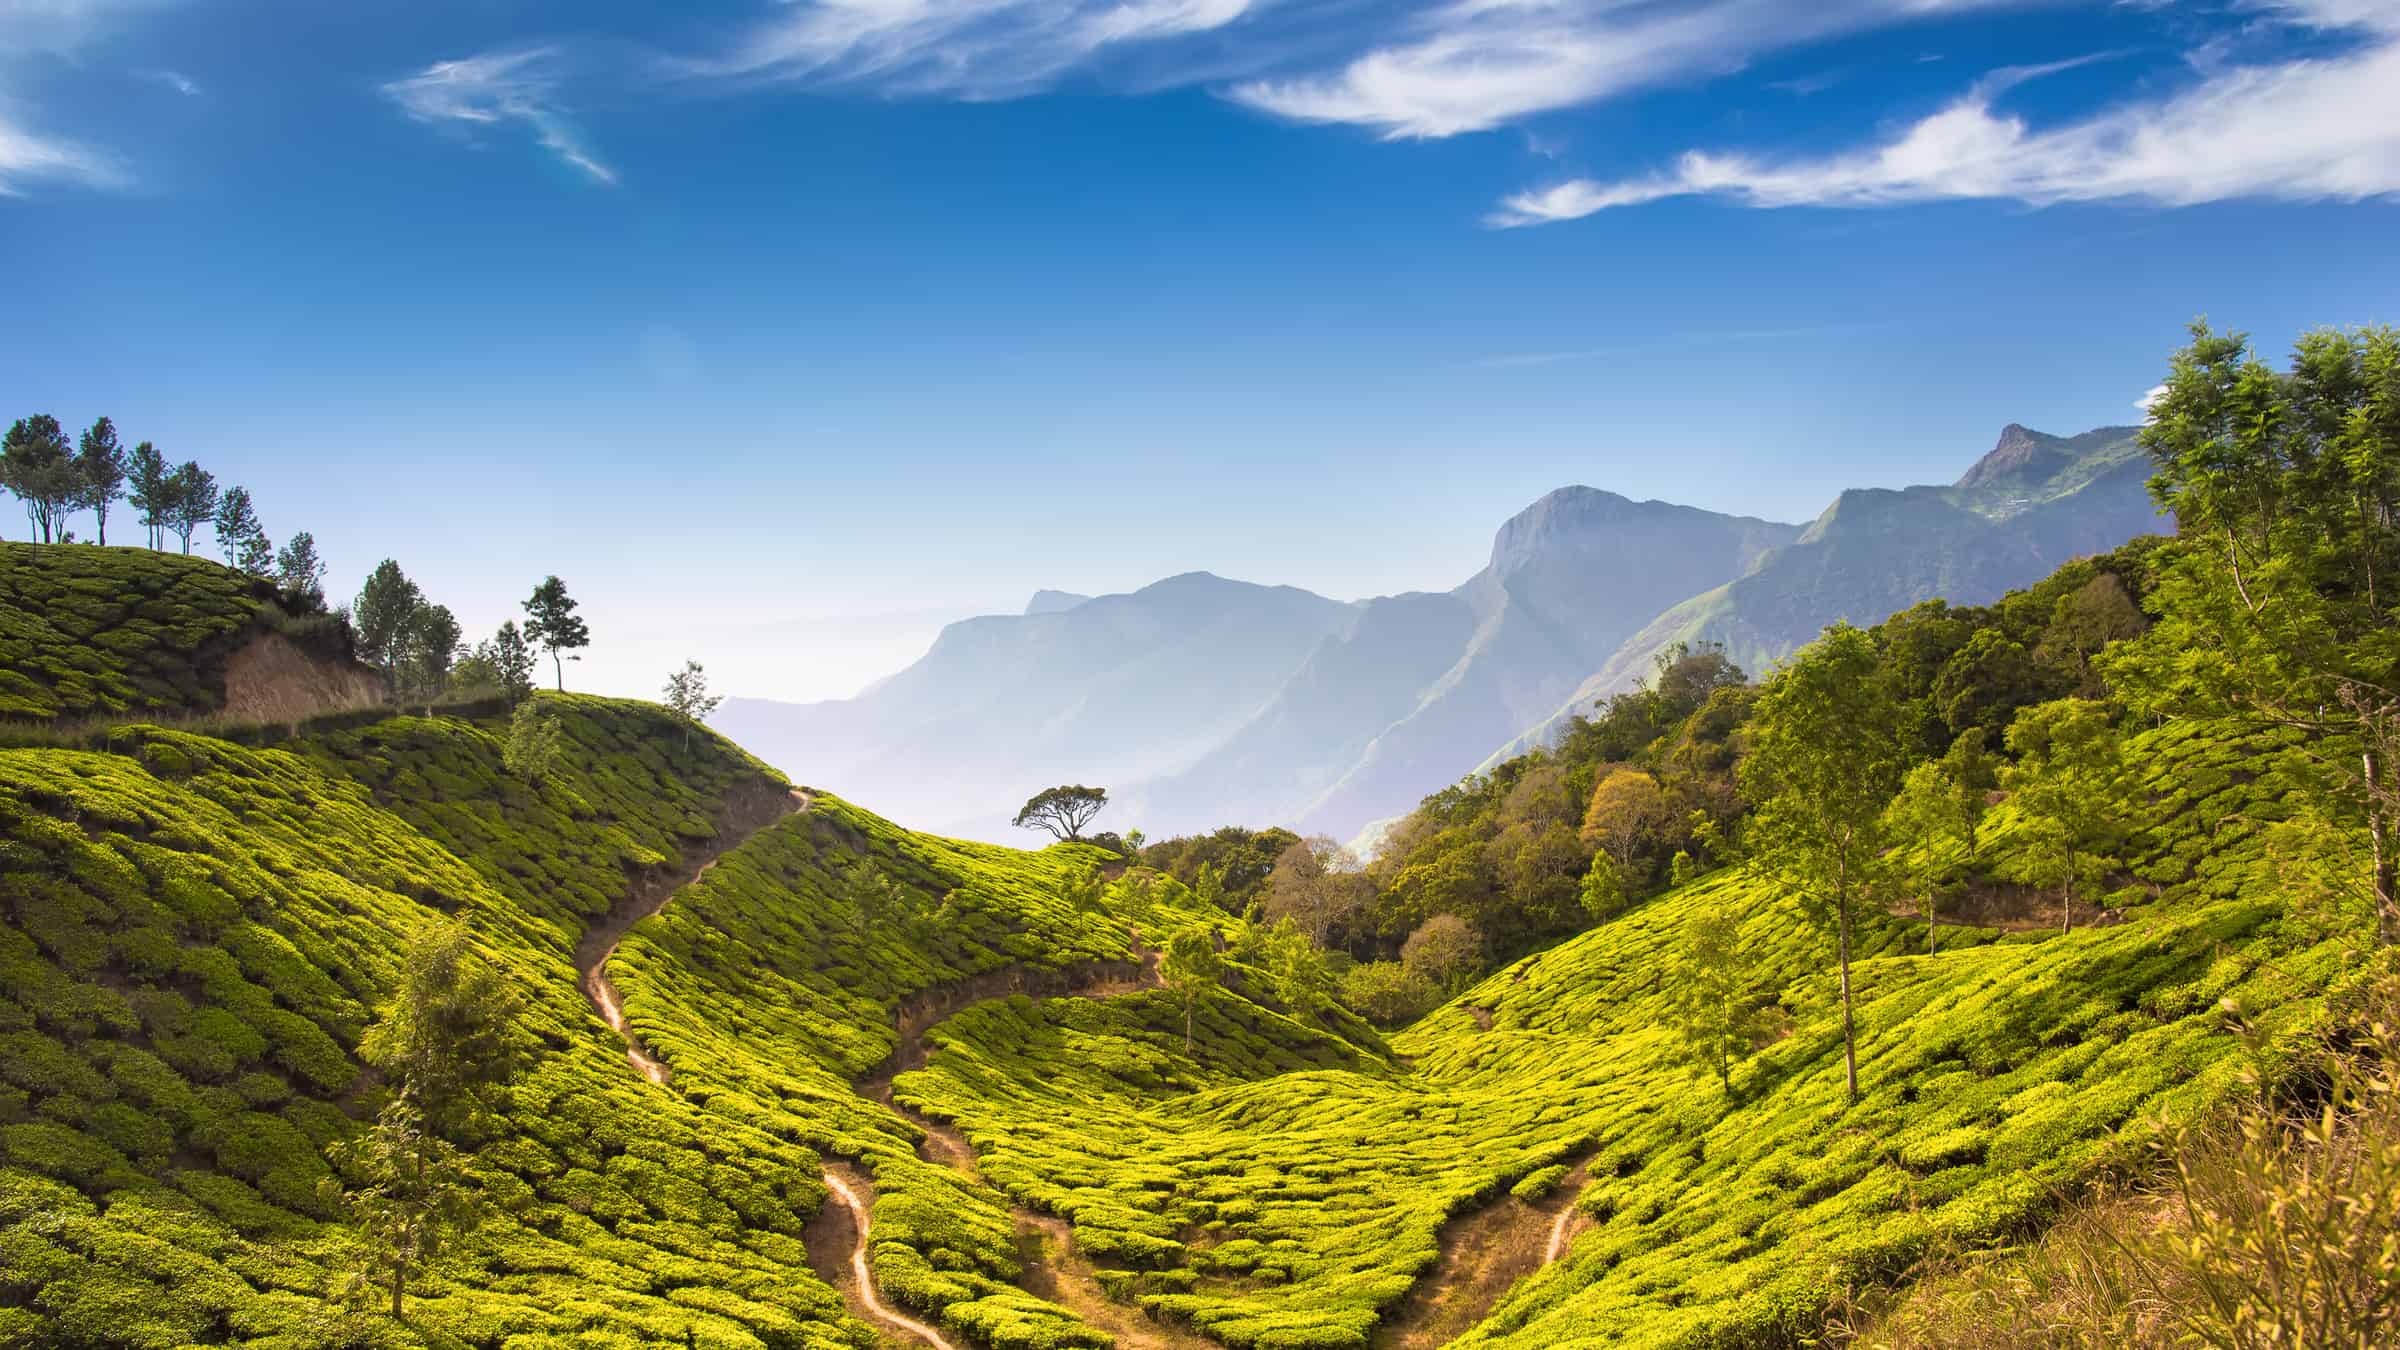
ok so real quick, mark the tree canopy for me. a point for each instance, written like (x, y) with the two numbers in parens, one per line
(1062, 811)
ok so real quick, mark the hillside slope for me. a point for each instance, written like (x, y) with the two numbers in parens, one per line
(87, 631)
(1301, 1210)
(194, 933)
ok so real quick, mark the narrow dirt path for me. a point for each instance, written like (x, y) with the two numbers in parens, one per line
(1484, 1254)
(852, 1192)
(1054, 1269)
(743, 814)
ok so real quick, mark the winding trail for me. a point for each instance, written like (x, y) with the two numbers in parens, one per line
(845, 1188)
(1484, 1254)
(1054, 1270)
(744, 813)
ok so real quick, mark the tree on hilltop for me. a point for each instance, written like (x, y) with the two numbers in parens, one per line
(552, 624)
(1716, 1019)
(191, 501)
(424, 652)
(301, 573)
(688, 696)
(100, 460)
(2062, 784)
(386, 603)
(1824, 761)
(1063, 811)
(512, 657)
(38, 466)
(146, 476)
(238, 530)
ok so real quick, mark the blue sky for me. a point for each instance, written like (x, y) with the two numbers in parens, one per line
(786, 331)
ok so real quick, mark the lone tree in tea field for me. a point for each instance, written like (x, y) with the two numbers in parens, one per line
(448, 1046)
(1825, 759)
(688, 696)
(1192, 967)
(1063, 811)
(552, 625)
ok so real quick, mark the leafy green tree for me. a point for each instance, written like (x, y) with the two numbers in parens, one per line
(100, 459)
(424, 653)
(552, 625)
(386, 605)
(238, 531)
(452, 1038)
(2083, 624)
(1825, 759)
(534, 742)
(1297, 968)
(300, 572)
(2063, 785)
(257, 556)
(146, 490)
(1939, 815)
(1192, 968)
(1388, 993)
(1717, 1021)
(448, 1045)
(192, 501)
(1446, 950)
(409, 1197)
(1602, 891)
(2280, 604)
(512, 657)
(1061, 811)
(689, 699)
(37, 464)
(1985, 683)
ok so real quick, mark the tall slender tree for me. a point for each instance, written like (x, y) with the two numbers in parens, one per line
(100, 459)
(424, 651)
(381, 614)
(301, 572)
(192, 501)
(1824, 761)
(512, 658)
(38, 465)
(146, 477)
(552, 624)
(688, 696)
(237, 525)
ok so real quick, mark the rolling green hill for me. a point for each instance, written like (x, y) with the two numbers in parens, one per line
(88, 631)
(972, 1042)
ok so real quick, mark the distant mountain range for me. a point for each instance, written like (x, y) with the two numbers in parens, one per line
(1200, 701)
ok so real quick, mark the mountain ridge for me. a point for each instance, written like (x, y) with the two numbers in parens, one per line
(1201, 700)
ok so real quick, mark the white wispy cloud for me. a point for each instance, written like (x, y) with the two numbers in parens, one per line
(496, 89)
(176, 80)
(27, 156)
(954, 48)
(1471, 65)
(2150, 399)
(2313, 129)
